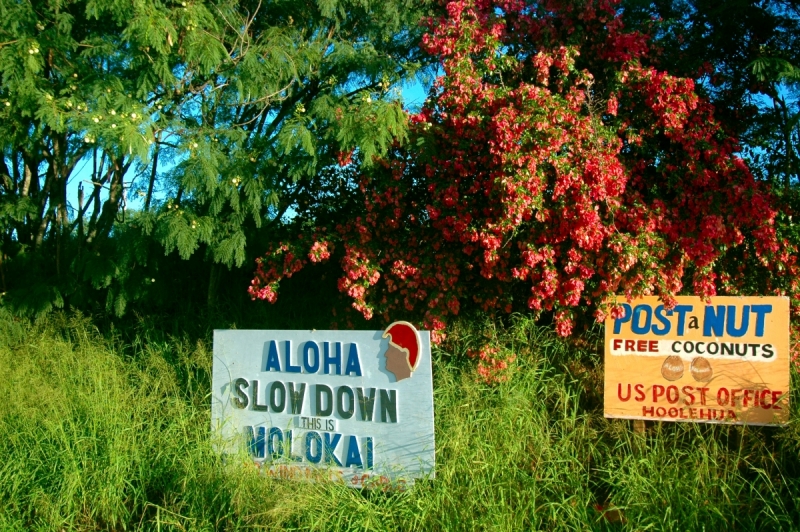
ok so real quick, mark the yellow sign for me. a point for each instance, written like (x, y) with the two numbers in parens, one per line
(723, 362)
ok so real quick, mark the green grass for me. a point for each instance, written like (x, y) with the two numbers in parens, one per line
(97, 433)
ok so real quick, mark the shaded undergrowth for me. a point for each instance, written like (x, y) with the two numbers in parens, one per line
(97, 433)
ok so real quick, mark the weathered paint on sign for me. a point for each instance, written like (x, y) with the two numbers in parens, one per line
(354, 406)
(722, 362)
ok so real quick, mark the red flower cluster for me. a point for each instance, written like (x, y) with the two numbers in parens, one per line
(493, 367)
(548, 154)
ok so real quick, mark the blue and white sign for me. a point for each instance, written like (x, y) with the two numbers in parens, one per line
(354, 406)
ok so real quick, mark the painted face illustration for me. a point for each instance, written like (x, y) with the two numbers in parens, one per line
(403, 353)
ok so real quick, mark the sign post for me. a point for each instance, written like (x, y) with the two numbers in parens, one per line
(352, 406)
(723, 362)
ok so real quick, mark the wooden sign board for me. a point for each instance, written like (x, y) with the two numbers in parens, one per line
(722, 362)
(349, 406)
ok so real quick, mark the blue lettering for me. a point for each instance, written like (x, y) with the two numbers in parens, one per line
(307, 349)
(714, 322)
(760, 311)
(273, 363)
(626, 317)
(353, 364)
(256, 443)
(332, 360)
(353, 455)
(641, 329)
(287, 356)
(331, 441)
(731, 321)
(289, 444)
(275, 451)
(313, 437)
(682, 310)
(662, 331)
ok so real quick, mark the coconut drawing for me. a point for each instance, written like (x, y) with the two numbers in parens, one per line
(672, 369)
(701, 369)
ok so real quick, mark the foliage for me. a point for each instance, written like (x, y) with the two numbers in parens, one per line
(207, 122)
(743, 54)
(102, 434)
(549, 156)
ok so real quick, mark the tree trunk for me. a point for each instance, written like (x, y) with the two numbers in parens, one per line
(44, 213)
(213, 282)
(153, 173)
(105, 221)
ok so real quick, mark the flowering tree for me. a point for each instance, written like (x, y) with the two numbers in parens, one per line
(549, 157)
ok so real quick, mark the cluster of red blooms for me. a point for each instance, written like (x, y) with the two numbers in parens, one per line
(282, 262)
(548, 154)
(493, 367)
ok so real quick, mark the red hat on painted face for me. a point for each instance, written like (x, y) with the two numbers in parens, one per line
(404, 336)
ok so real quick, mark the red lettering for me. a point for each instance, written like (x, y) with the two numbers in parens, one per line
(661, 411)
(689, 399)
(702, 395)
(630, 345)
(639, 392)
(756, 401)
(654, 346)
(670, 390)
(673, 412)
(731, 415)
(705, 413)
(619, 392)
(775, 397)
(746, 397)
(720, 400)
(617, 343)
(658, 391)
(764, 404)
(733, 395)
(647, 411)
(692, 413)
(641, 346)
(683, 414)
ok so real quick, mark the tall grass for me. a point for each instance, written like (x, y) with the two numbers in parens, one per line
(99, 434)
